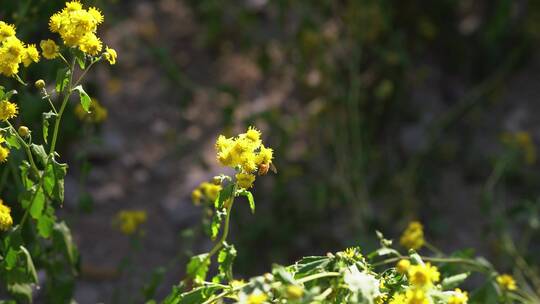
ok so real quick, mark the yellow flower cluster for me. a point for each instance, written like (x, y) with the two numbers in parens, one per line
(206, 191)
(5, 217)
(128, 221)
(77, 27)
(413, 236)
(97, 114)
(246, 154)
(49, 49)
(421, 278)
(506, 282)
(13, 51)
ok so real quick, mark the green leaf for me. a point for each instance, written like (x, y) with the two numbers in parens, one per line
(225, 194)
(30, 268)
(39, 152)
(63, 241)
(22, 292)
(197, 267)
(226, 259)
(81, 60)
(84, 98)
(217, 218)
(53, 180)
(26, 181)
(46, 117)
(12, 140)
(62, 79)
(45, 225)
(37, 203)
(454, 281)
(249, 196)
(195, 296)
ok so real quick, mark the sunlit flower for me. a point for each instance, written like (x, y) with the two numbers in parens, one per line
(5, 217)
(506, 282)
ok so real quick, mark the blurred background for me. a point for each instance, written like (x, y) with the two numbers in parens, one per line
(379, 112)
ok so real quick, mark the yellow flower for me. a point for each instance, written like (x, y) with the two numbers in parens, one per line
(30, 55)
(403, 266)
(5, 217)
(413, 236)
(294, 292)
(96, 13)
(128, 221)
(416, 296)
(11, 55)
(459, 297)
(196, 196)
(4, 153)
(8, 110)
(506, 282)
(49, 49)
(258, 298)
(110, 55)
(398, 298)
(90, 44)
(253, 134)
(77, 27)
(245, 180)
(6, 30)
(423, 275)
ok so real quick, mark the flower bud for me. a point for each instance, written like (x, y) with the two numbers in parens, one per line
(40, 84)
(24, 131)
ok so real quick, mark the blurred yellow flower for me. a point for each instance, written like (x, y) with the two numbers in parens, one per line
(506, 282)
(423, 275)
(413, 236)
(523, 141)
(128, 221)
(459, 297)
(5, 217)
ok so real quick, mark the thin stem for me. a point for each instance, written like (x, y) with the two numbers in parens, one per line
(223, 238)
(67, 93)
(318, 276)
(85, 71)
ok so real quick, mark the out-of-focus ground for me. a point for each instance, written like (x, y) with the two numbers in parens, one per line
(157, 145)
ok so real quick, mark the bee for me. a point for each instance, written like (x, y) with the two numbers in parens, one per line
(263, 168)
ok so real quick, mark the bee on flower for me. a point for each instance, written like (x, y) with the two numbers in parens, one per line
(246, 154)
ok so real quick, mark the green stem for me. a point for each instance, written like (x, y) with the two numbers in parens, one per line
(26, 148)
(67, 93)
(318, 276)
(223, 238)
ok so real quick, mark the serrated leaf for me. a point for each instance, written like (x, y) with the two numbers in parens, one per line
(39, 152)
(62, 79)
(12, 140)
(197, 267)
(226, 259)
(84, 98)
(45, 118)
(224, 195)
(249, 196)
(53, 180)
